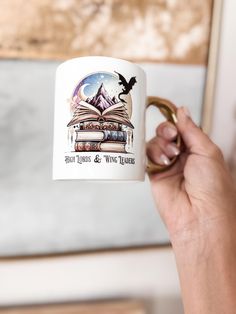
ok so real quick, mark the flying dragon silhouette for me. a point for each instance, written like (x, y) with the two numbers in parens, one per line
(127, 85)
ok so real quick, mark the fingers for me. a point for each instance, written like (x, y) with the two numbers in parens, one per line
(166, 134)
(159, 152)
(194, 138)
(170, 149)
(167, 130)
(162, 148)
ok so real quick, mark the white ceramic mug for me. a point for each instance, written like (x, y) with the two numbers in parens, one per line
(99, 120)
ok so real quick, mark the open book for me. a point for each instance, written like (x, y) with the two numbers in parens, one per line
(88, 112)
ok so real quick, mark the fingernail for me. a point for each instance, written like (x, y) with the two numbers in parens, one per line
(169, 132)
(164, 160)
(172, 149)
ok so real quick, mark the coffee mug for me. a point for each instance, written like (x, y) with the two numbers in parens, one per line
(99, 121)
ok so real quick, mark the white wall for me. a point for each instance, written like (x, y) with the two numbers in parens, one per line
(150, 274)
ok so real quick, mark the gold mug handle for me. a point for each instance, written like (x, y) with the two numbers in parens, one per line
(168, 109)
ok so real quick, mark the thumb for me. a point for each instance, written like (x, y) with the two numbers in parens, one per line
(195, 140)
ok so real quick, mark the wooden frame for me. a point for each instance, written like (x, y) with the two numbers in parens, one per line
(212, 67)
(93, 307)
(114, 28)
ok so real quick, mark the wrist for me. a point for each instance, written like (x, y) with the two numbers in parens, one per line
(196, 239)
(207, 276)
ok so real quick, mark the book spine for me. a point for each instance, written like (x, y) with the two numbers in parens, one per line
(120, 136)
(113, 147)
(87, 146)
(95, 125)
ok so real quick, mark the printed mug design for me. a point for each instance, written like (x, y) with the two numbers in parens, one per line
(101, 109)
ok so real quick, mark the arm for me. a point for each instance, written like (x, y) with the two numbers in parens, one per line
(197, 202)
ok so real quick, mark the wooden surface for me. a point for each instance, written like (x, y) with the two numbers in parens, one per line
(119, 307)
(141, 30)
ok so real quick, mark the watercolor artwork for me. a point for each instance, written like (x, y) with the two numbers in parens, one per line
(101, 109)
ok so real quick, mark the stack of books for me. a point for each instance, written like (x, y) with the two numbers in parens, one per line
(100, 140)
(101, 124)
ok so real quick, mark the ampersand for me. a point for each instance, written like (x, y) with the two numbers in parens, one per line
(97, 159)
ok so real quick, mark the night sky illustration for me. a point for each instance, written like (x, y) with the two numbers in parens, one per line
(94, 81)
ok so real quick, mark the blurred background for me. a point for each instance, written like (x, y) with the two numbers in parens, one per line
(62, 248)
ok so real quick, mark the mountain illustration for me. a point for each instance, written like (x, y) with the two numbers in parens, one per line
(101, 107)
(102, 100)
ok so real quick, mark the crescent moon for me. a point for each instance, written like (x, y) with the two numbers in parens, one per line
(81, 93)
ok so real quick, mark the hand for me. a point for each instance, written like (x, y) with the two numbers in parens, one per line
(196, 196)
(197, 202)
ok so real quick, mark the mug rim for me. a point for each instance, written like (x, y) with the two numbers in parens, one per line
(66, 62)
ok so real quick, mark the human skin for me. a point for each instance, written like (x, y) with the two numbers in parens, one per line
(196, 199)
